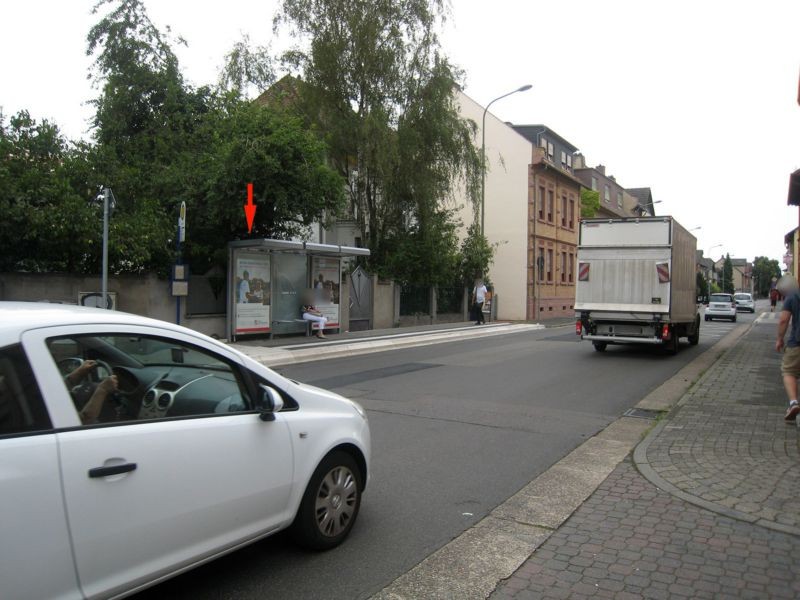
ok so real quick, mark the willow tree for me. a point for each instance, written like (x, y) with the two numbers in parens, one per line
(378, 88)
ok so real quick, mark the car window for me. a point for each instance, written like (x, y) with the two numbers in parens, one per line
(720, 298)
(21, 405)
(120, 377)
(742, 296)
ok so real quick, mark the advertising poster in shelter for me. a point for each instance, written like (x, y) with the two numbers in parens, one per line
(326, 277)
(252, 293)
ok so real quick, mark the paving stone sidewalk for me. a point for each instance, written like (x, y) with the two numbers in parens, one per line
(723, 521)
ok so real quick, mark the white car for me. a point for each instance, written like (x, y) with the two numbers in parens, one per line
(721, 306)
(744, 302)
(199, 451)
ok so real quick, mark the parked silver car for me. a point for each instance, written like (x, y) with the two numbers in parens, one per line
(745, 302)
(721, 306)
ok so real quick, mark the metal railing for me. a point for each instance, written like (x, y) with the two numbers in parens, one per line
(449, 299)
(415, 300)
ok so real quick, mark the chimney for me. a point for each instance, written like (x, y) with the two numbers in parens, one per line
(579, 162)
(601, 169)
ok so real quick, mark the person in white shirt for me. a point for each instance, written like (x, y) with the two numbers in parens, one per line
(478, 298)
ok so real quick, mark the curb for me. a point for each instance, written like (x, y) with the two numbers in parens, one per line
(283, 355)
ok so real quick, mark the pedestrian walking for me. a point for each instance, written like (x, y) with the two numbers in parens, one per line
(478, 298)
(773, 299)
(790, 365)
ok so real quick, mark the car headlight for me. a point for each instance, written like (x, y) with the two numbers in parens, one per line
(359, 409)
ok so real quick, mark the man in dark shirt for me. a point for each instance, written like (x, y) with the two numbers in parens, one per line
(790, 365)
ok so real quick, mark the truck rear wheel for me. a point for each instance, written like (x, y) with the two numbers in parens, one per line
(671, 345)
(694, 339)
(600, 346)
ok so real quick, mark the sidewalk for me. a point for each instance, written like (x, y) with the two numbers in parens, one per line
(708, 506)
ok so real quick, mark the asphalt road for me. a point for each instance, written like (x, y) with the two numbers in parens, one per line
(457, 428)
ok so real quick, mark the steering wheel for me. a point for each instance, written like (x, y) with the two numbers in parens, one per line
(84, 390)
(97, 374)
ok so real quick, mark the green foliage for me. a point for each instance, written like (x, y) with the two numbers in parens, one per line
(426, 255)
(247, 68)
(590, 203)
(727, 275)
(292, 185)
(379, 90)
(701, 285)
(764, 270)
(44, 182)
(477, 255)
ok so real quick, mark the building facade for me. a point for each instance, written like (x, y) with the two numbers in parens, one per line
(554, 212)
(532, 211)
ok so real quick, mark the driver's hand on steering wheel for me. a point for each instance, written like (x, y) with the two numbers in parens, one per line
(85, 368)
(109, 385)
(81, 371)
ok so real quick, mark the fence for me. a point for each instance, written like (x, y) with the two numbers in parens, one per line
(415, 300)
(449, 299)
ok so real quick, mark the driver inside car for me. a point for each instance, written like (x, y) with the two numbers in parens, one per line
(91, 410)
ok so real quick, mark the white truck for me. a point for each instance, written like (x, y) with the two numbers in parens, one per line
(636, 283)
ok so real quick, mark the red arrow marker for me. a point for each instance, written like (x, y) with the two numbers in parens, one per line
(250, 208)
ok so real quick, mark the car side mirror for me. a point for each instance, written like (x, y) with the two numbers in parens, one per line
(270, 402)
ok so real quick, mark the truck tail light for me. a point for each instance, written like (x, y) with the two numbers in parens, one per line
(665, 332)
(578, 327)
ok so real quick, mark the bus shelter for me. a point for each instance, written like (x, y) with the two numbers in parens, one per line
(268, 280)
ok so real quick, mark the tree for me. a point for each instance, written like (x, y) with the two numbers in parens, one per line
(476, 255)
(727, 275)
(48, 223)
(764, 271)
(160, 142)
(380, 91)
(701, 285)
(246, 68)
(293, 186)
(144, 119)
(590, 203)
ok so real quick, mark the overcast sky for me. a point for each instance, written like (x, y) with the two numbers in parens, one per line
(696, 100)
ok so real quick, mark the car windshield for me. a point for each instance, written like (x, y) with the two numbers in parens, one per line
(742, 296)
(720, 298)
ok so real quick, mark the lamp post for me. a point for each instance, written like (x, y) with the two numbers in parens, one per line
(524, 88)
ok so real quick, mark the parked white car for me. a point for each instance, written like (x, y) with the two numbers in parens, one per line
(744, 302)
(198, 451)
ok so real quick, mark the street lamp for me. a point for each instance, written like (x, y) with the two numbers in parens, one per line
(524, 88)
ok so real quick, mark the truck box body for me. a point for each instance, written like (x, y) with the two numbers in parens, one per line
(634, 276)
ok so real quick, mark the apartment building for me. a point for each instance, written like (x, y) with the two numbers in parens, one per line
(554, 210)
(532, 204)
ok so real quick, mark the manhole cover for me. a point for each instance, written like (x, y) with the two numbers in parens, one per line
(643, 413)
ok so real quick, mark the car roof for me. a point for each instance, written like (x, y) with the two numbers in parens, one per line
(18, 317)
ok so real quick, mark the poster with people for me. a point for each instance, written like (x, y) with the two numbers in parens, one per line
(252, 292)
(326, 279)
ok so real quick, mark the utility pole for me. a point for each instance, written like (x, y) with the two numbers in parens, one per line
(106, 200)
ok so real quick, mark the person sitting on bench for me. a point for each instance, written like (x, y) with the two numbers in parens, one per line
(310, 313)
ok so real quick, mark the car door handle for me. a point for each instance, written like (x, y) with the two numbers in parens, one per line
(113, 470)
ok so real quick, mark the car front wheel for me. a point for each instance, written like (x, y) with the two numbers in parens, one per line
(330, 504)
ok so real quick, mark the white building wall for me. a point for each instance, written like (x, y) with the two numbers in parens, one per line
(508, 156)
